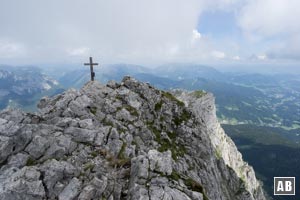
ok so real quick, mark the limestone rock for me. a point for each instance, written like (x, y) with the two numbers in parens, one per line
(123, 140)
(161, 162)
(71, 190)
(21, 184)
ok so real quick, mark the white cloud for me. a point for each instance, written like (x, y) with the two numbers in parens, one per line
(174, 49)
(227, 5)
(254, 58)
(142, 32)
(82, 51)
(218, 54)
(9, 49)
(236, 58)
(115, 30)
(273, 25)
(196, 35)
(270, 17)
(262, 57)
(286, 49)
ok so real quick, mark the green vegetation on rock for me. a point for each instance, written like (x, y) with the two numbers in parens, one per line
(185, 116)
(169, 96)
(131, 110)
(30, 162)
(189, 182)
(218, 153)
(199, 93)
(195, 186)
(89, 166)
(93, 110)
(158, 106)
(121, 154)
(171, 144)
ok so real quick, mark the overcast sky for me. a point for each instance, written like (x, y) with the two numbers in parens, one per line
(150, 31)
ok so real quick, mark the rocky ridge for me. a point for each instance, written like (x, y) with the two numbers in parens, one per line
(123, 140)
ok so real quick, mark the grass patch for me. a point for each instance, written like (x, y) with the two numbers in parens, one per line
(94, 154)
(131, 110)
(93, 110)
(30, 162)
(195, 186)
(185, 116)
(174, 176)
(121, 154)
(172, 135)
(218, 153)
(105, 122)
(134, 143)
(155, 131)
(89, 166)
(169, 96)
(115, 162)
(120, 160)
(158, 106)
(190, 183)
(199, 93)
(162, 119)
(119, 97)
(176, 149)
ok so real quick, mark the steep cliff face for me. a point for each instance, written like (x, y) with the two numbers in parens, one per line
(204, 109)
(124, 140)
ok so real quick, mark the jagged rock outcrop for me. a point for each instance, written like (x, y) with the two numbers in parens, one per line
(123, 140)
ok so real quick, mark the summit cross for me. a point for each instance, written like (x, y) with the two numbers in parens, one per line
(91, 64)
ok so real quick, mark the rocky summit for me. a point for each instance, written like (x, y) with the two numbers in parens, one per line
(123, 140)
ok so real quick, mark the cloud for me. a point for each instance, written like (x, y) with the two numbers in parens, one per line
(115, 30)
(270, 17)
(133, 31)
(258, 58)
(10, 49)
(262, 57)
(218, 54)
(236, 58)
(196, 35)
(82, 51)
(274, 26)
(286, 49)
(144, 32)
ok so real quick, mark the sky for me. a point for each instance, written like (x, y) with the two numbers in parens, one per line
(150, 32)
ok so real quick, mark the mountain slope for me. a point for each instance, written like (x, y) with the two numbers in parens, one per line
(124, 140)
(19, 86)
(273, 152)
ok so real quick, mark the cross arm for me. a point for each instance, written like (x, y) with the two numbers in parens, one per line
(90, 63)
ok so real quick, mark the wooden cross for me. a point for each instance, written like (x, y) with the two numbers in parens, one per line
(91, 64)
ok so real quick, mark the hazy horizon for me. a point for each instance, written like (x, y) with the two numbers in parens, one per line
(241, 68)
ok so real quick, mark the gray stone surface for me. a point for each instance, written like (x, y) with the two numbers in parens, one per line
(71, 190)
(161, 162)
(123, 140)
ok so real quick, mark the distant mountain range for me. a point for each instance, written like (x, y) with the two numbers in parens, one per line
(22, 86)
(264, 100)
(260, 112)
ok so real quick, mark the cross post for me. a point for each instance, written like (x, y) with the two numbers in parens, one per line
(91, 64)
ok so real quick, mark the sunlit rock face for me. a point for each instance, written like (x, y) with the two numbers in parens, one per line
(123, 140)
